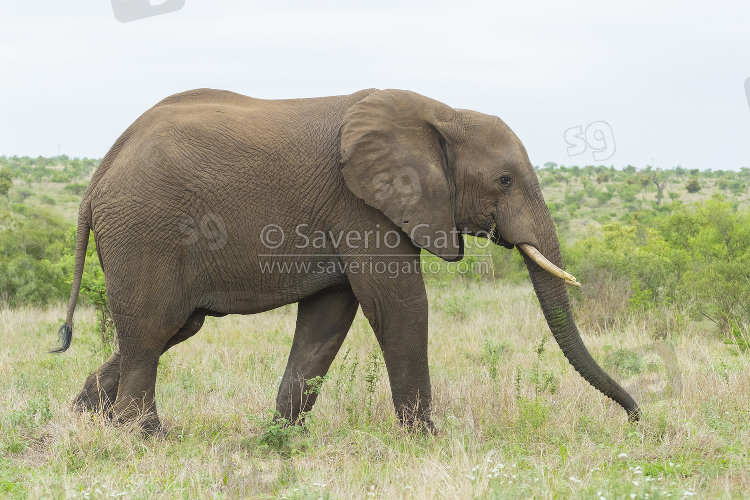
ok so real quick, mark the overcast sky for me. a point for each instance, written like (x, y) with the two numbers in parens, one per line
(667, 78)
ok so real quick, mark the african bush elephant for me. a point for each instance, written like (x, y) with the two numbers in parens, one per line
(209, 205)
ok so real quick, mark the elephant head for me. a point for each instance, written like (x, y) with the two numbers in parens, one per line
(437, 172)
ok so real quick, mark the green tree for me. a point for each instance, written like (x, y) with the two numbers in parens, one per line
(693, 186)
(6, 180)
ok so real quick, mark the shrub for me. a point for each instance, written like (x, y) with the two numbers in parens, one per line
(693, 186)
(695, 258)
(627, 192)
(737, 187)
(76, 189)
(6, 180)
(47, 200)
(603, 197)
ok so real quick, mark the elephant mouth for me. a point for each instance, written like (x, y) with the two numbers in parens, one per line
(495, 238)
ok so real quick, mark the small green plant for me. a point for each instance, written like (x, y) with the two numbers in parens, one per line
(493, 353)
(315, 384)
(641, 299)
(22, 194)
(372, 376)
(456, 306)
(543, 380)
(534, 411)
(46, 199)
(278, 435)
(93, 287)
(346, 377)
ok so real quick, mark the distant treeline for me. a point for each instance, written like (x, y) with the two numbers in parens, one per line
(642, 252)
(60, 169)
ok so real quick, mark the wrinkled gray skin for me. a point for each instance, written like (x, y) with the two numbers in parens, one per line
(179, 204)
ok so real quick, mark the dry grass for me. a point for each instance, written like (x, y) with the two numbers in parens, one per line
(513, 423)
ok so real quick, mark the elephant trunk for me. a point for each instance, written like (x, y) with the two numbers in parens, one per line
(553, 298)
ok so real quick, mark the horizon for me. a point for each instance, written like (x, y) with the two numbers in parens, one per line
(545, 165)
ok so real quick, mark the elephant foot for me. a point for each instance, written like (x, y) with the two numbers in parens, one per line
(417, 420)
(150, 425)
(133, 415)
(100, 389)
(289, 418)
(420, 426)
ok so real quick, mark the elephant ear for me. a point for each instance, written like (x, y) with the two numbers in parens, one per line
(392, 156)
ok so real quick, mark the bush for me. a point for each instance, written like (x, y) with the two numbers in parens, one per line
(695, 258)
(36, 267)
(47, 200)
(627, 192)
(32, 247)
(737, 187)
(6, 180)
(603, 197)
(693, 186)
(76, 189)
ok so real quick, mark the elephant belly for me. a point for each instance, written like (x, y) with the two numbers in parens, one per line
(275, 282)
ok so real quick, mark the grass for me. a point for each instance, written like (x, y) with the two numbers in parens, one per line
(515, 420)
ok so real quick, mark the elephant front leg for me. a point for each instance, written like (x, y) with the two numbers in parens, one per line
(404, 346)
(323, 321)
(397, 310)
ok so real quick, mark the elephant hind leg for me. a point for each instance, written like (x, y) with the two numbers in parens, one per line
(100, 389)
(141, 345)
(323, 320)
(136, 401)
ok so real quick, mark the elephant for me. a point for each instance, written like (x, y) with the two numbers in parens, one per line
(214, 203)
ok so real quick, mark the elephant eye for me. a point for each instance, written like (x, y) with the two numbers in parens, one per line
(505, 180)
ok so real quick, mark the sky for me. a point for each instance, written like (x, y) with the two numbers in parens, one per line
(580, 82)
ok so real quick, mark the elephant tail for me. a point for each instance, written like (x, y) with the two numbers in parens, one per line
(82, 241)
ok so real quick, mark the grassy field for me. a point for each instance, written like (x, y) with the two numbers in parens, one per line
(515, 420)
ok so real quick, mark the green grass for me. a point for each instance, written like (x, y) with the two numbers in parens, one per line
(515, 420)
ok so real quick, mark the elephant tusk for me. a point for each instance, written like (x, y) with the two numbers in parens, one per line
(548, 266)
